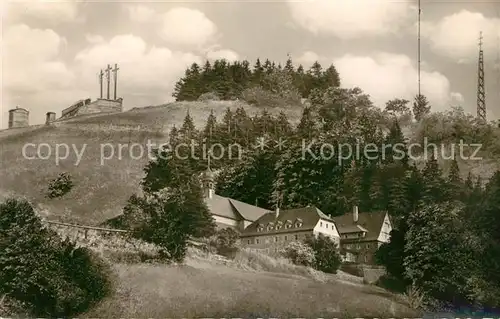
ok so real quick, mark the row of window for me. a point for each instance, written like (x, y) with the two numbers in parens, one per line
(276, 239)
(358, 246)
(326, 225)
(355, 235)
(279, 225)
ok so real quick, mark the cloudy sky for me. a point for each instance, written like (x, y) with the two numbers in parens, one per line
(53, 51)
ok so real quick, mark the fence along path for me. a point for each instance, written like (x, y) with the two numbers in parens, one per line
(95, 229)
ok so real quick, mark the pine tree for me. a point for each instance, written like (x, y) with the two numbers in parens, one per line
(414, 187)
(289, 66)
(398, 150)
(174, 136)
(210, 127)
(398, 204)
(307, 127)
(455, 185)
(282, 127)
(331, 77)
(421, 107)
(433, 191)
(188, 130)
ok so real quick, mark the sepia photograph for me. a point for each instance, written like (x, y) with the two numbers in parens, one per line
(250, 159)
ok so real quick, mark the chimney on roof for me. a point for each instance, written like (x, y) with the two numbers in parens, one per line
(277, 212)
(355, 214)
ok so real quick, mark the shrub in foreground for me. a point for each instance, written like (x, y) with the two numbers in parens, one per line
(48, 276)
(326, 256)
(224, 242)
(299, 254)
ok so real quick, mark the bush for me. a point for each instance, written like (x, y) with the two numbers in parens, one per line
(326, 256)
(60, 186)
(209, 96)
(224, 242)
(50, 277)
(260, 97)
(299, 254)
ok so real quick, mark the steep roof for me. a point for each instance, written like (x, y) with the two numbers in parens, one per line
(231, 208)
(371, 223)
(309, 216)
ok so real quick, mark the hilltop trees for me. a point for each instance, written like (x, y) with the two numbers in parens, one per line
(263, 84)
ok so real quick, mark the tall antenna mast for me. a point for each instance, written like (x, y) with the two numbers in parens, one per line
(418, 39)
(498, 63)
(481, 101)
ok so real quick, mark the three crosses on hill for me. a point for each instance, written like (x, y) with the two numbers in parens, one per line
(108, 78)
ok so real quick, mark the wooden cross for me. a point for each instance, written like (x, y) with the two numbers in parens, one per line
(101, 75)
(108, 69)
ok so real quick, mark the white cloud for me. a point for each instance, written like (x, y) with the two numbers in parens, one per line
(140, 13)
(32, 69)
(229, 55)
(50, 11)
(93, 38)
(386, 76)
(145, 71)
(188, 27)
(30, 60)
(351, 18)
(456, 36)
(307, 58)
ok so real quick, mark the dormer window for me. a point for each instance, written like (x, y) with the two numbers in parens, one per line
(298, 222)
(278, 227)
(270, 226)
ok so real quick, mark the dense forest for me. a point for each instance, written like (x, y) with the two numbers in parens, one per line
(229, 81)
(446, 241)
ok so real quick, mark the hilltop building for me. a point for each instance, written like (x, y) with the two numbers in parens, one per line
(275, 230)
(362, 234)
(50, 117)
(82, 107)
(18, 117)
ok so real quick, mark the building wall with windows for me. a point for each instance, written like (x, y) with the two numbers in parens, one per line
(274, 242)
(327, 228)
(360, 252)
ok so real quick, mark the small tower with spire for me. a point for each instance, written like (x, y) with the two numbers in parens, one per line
(208, 182)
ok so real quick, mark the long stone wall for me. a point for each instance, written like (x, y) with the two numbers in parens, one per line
(102, 105)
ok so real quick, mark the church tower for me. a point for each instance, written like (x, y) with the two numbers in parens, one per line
(208, 182)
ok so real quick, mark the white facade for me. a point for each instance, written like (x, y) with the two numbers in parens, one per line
(226, 221)
(327, 228)
(385, 230)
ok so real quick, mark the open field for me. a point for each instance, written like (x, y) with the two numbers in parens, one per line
(203, 289)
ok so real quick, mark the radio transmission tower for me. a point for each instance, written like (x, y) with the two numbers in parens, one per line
(418, 41)
(497, 65)
(481, 101)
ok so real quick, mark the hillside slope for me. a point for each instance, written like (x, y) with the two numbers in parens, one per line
(101, 188)
(216, 291)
